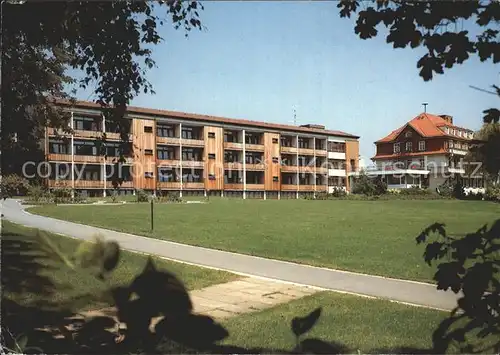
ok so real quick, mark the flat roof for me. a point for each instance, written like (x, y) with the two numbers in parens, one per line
(209, 118)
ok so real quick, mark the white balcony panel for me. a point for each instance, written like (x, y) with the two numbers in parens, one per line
(336, 172)
(335, 155)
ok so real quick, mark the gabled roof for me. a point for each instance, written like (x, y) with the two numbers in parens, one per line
(215, 119)
(426, 125)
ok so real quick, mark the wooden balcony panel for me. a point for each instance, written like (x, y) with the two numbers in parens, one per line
(114, 160)
(255, 187)
(234, 166)
(59, 183)
(169, 185)
(307, 169)
(59, 157)
(168, 163)
(291, 150)
(233, 146)
(306, 188)
(193, 142)
(289, 169)
(88, 159)
(233, 187)
(255, 167)
(89, 184)
(321, 153)
(168, 140)
(193, 164)
(306, 151)
(321, 170)
(254, 147)
(286, 187)
(87, 134)
(124, 185)
(111, 136)
(193, 185)
(57, 132)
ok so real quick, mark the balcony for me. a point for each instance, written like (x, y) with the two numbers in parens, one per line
(59, 157)
(88, 159)
(289, 169)
(193, 164)
(60, 183)
(123, 185)
(308, 188)
(233, 186)
(192, 142)
(88, 134)
(336, 155)
(168, 162)
(321, 170)
(307, 169)
(288, 187)
(112, 136)
(255, 167)
(336, 172)
(168, 140)
(170, 185)
(255, 187)
(233, 146)
(290, 150)
(306, 151)
(89, 184)
(254, 147)
(114, 160)
(193, 185)
(233, 166)
(321, 153)
(56, 132)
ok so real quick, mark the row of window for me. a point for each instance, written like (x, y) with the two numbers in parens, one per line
(408, 147)
(458, 132)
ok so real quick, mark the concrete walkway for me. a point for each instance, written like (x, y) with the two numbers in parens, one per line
(415, 293)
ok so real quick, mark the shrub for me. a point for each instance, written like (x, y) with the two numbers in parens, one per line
(458, 190)
(492, 193)
(338, 192)
(141, 196)
(79, 198)
(62, 195)
(13, 185)
(363, 185)
(415, 191)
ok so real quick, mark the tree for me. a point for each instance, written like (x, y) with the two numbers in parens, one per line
(487, 151)
(108, 42)
(437, 26)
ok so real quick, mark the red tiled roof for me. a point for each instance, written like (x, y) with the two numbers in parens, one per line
(425, 124)
(402, 155)
(208, 118)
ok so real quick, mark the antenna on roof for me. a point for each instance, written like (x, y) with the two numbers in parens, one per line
(294, 116)
(425, 106)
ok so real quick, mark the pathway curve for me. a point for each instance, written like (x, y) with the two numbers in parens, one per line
(416, 293)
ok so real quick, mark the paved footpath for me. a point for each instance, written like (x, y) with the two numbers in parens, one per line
(416, 293)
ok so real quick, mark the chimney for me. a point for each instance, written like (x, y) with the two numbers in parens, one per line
(447, 118)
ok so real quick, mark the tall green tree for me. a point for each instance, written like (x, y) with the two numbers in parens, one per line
(436, 26)
(109, 42)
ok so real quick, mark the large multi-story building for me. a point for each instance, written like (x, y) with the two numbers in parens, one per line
(426, 152)
(196, 154)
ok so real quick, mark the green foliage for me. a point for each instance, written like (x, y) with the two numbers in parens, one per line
(141, 195)
(486, 151)
(62, 195)
(38, 194)
(367, 186)
(492, 193)
(436, 26)
(468, 264)
(13, 185)
(415, 191)
(101, 256)
(168, 197)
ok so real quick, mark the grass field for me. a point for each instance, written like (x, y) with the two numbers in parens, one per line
(31, 277)
(369, 325)
(376, 237)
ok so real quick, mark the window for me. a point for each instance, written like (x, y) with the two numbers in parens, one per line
(58, 148)
(276, 179)
(397, 147)
(408, 134)
(211, 156)
(148, 151)
(337, 147)
(211, 176)
(165, 153)
(87, 123)
(421, 163)
(85, 148)
(165, 131)
(408, 146)
(276, 160)
(275, 140)
(421, 145)
(148, 175)
(148, 129)
(211, 134)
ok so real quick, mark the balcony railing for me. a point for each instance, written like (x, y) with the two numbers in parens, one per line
(88, 158)
(255, 167)
(232, 145)
(123, 185)
(288, 187)
(254, 147)
(306, 151)
(193, 163)
(321, 170)
(168, 140)
(192, 142)
(255, 187)
(59, 157)
(233, 166)
(89, 184)
(114, 160)
(60, 183)
(321, 153)
(168, 163)
(88, 134)
(288, 150)
(231, 186)
(56, 132)
(193, 185)
(289, 168)
(170, 185)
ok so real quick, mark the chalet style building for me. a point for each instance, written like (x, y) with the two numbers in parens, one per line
(425, 152)
(193, 154)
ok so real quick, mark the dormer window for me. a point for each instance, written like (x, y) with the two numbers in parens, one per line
(408, 134)
(421, 146)
(397, 148)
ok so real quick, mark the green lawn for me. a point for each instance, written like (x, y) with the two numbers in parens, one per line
(369, 325)
(376, 237)
(31, 277)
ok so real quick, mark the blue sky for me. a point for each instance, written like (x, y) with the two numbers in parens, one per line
(259, 60)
